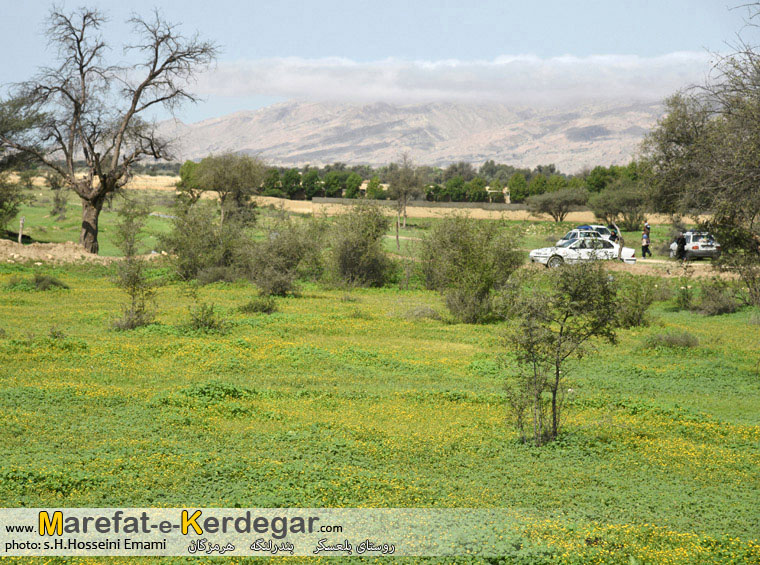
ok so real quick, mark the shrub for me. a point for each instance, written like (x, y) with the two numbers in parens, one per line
(356, 255)
(48, 282)
(420, 312)
(39, 281)
(206, 318)
(131, 272)
(468, 261)
(717, 298)
(672, 340)
(204, 249)
(11, 198)
(131, 319)
(635, 296)
(55, 333)
(259, 305)
(290, 247)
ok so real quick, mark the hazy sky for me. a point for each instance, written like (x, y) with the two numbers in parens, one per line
(521, 52)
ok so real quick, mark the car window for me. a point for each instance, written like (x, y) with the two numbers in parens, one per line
(603, 231)
(576, 244)
(567, 235)
(607, 244)
(566, 243)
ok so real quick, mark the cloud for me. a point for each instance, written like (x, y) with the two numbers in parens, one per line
(518, 79)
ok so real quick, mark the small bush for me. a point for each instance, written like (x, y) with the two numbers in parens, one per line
(356, 255)
(754, 320)
(717, 298)
(55, 333)
(206, 318)
(291, 248)
(684, 296)
(202, 248)
(3, 333)
(37, 282)
(132, 319)
(672, 340)
(359, 314)
(48, 282)
(421, 312)
(260, 305)
(635, 296)
(468, 261)
(131, 272)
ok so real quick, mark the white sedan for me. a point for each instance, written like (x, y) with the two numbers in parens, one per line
(580, 250)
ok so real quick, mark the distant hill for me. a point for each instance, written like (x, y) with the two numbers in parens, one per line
(297, 133)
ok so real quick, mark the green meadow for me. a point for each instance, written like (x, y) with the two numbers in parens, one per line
(354, 400)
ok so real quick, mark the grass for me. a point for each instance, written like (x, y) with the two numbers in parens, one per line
(356, 403)
(43, 228)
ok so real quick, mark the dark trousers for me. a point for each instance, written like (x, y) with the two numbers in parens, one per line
(644, 251)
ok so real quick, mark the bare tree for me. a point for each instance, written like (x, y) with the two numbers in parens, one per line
(405, 184)
(96, 112)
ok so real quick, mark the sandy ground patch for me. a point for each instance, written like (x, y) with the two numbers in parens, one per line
(69, 252)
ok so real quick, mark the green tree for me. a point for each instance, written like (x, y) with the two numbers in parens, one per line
(235, 179)
(624, 201)
(598, 179)
(557, 204)
(312, 184)
(461, 169)
(538, 185)
(188, 186)
(270, 186)
(291, 183)
(557, 314)
(518, 188)
(375, 190)
(455, 189)
(353, 184)
(555, 183)
(334, 184)
(476, 190)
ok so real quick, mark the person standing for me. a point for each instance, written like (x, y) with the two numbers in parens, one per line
(681, 247)
(645, 245)
(613, 233)
(647, 227)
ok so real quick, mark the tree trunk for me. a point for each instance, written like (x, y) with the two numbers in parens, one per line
(88, 238)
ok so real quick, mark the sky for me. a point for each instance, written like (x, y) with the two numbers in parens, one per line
(523, 53)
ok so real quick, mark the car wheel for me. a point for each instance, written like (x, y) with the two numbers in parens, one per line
(555, 261)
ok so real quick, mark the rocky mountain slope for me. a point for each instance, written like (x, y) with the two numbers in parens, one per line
(297, 133)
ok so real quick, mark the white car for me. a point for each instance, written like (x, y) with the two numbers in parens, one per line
(586, 231)
(580, 250)
(698, 245)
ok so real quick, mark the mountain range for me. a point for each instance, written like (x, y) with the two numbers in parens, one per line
(298, 133)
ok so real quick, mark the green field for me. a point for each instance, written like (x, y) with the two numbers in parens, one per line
(336, 402)
(41, 227)
(352, 400)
